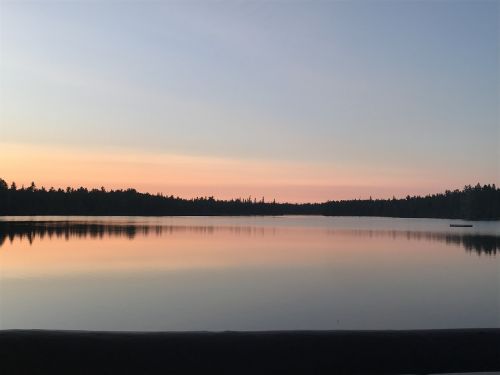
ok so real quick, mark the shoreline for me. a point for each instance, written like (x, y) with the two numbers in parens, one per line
(242, 352)
(245, 215)
(29, 217)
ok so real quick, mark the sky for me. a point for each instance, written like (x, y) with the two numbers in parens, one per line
(294, 101)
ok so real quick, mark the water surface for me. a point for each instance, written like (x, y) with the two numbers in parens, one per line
(247, 273)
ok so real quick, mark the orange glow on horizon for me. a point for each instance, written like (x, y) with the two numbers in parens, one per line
(193, 176)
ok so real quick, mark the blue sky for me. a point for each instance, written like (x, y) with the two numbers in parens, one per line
(373, 86)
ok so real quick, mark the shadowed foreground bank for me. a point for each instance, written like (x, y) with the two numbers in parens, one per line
(293, 352)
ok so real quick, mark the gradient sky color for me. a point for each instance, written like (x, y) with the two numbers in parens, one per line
(298, 101)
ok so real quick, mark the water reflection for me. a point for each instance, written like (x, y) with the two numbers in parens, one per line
(246, 273)
(31, 230)
(478, 243)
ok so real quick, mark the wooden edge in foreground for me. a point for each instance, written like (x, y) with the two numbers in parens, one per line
(273, 352)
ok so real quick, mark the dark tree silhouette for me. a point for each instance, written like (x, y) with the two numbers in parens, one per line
(474, 203)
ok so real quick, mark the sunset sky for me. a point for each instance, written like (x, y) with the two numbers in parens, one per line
(297, 101)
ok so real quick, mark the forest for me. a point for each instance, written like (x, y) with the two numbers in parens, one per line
(479, 202)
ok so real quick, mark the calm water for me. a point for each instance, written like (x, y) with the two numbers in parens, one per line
(247, 273)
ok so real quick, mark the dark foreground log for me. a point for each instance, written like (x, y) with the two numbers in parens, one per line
(293, 352)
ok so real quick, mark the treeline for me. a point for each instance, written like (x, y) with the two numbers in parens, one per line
(472, 203)
(475, 203)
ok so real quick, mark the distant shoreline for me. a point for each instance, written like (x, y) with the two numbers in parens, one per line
(253, 215)
(291, 352)
(471, 203)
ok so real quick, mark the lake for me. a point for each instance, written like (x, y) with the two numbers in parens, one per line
(247, 273)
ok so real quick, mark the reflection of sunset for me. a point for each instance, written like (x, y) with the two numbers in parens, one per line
(186, 247)
(198, 273)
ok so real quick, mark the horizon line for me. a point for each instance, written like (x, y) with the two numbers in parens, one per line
(249, 198)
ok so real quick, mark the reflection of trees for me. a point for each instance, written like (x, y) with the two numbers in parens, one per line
(479, 243)
(485, 244)
(30, 230)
